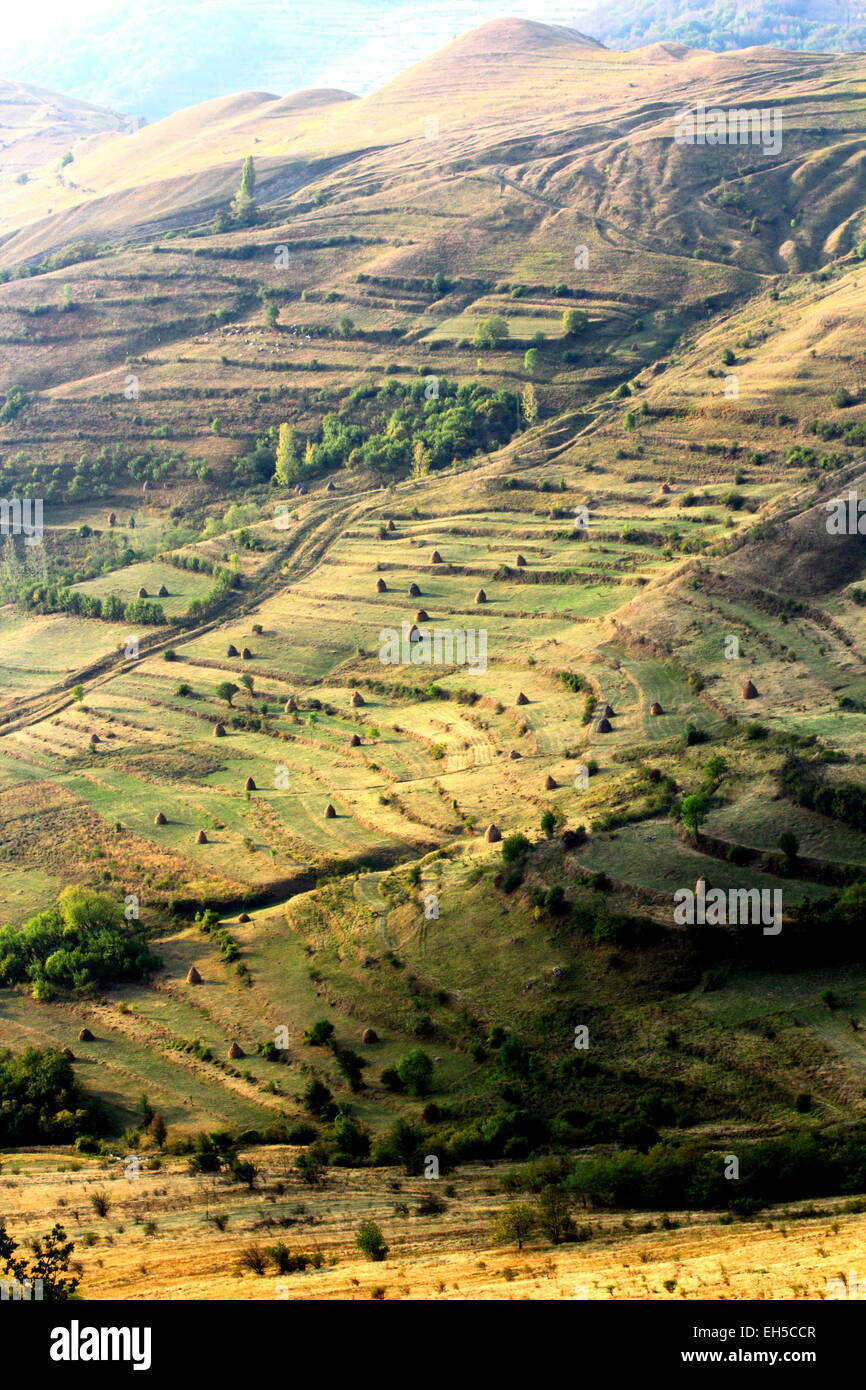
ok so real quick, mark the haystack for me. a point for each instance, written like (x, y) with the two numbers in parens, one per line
(655, 708)
(94, 739)
(750, 691)
(391, 526)
(422, 616)
(300, 490)
(236, 1052)
(358, 699)
(246, 654)
(331, 488)
(550, 784)
(112, 518)
(355, 741)
(703, 886)
(159, 819)
(369, 1036)
(521, 699)
(291, 705)
(414, 591)
(330, 813)
(69, 1054)
(492, 834)
(606, 712)
(231, 649)
(85, 1035)
(513, 754)
(521, 561)
(250, 786)
(219, 730)
(603, 726)
(381, 586)
(436, 558)
(162, 591)
(192, 976)
(201, 838)
(414, 633)
(481, 597)
(666, 487)
(142, 593)
(245, 917)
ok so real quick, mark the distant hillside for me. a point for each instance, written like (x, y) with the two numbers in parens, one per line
(152, 58)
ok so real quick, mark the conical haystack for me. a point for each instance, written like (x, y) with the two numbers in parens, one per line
(481, 596)
(291, 705)
(159, 819)
(246, 654)
(192, 976)
(236, 1052)
(244, 917)
(381, 586)
(606, 712)
(514, 755)
(112, 518)
(666, 487)
(219, 730)
(142, 593)
(414, 634)
(703, 886)
(436, 558)
(358, 699)
(550, 784)
(750, 691)
(231, 649)
(414, 591)
(355, 741)
(492, 834)
(603, 726)
(521, 699)
(330, 813)
(85, 1035)
(521, 561)
(369, 1036)
(250, 786)
(162, 592)
(391, 526)
(330, 488)
(655, 708)
(201, 838)
(422, 616)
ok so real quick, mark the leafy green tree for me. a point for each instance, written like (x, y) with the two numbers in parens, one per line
(694, 811)
(286, 466)
(554, 1213)
(548, 823)
(514, 1224)
(320, 1034)
(226, 690)
(574, 321)
(370, 1241)
(514, 848)
(789, 845)
(531, 359)
(243, 208)
(490, 331)
(415, 1070)
(272, 314)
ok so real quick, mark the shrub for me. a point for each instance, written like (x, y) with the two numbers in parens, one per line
(370, 1241)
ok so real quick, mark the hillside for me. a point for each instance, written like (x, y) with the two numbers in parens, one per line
(486, 354)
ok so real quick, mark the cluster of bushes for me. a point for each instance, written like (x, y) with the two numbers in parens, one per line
(88, 477)
(81, 944)
(40, 1100)
(59, 598)
(843, 801)
(854, 433)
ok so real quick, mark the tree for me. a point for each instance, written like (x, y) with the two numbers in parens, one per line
(51, 1259)
(574, 321)
(529, 403)
(247, 681)
(243, 208)
(420, 459)
(490, 331)
(346, 326)
(286, 466)
(370, 1241)
(694, 811)
(789, 845)
(159, 1130)
(531, 359)
(78, 693)
(548, 823)
(715, 769)
(272, 314)
(350, 1065)
(243, 1171)
(514, 1224)
(554, 1213)
(514, 848)
(226, 690)
(320, 1034)
(415, 1070)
